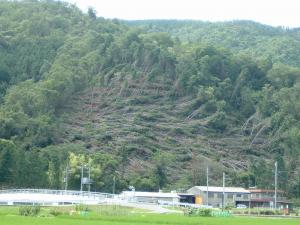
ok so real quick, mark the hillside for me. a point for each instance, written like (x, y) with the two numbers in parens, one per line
(243, 37)
(143, 107)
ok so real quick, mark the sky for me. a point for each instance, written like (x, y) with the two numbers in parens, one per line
(272, 12)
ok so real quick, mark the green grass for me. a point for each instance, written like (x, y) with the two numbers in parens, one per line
(8, 216)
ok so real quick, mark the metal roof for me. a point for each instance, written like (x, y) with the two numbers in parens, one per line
(264, 191)
(220, 189)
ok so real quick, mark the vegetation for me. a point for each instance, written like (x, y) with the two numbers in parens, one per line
(198, 212)
(29, 210)
(144, 107)
(243, 37)
(8, 217)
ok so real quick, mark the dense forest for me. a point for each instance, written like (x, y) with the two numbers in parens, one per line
(145, 103)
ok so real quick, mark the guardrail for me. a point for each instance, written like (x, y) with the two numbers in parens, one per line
(57, 192)
(52, 197)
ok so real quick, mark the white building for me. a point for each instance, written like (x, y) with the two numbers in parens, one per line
(149, 197)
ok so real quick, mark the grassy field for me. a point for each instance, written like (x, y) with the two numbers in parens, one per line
(99, 216)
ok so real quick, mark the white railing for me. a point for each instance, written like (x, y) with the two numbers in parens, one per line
(58, 192)
(52, 197)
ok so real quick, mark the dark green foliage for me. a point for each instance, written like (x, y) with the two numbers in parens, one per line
(246, 37)
(245, 179)
(7, 157)
(218, 121)
(92, 13)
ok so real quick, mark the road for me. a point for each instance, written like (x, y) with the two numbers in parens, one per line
(151, 207)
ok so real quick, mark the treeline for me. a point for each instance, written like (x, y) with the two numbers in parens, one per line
(51, 53)
(243, 37)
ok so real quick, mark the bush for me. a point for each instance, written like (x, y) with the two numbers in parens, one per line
(204, 212)
(29, 210)
(267, 212)
(81, 208)
(190, 211)
(229, 207)
(198, 212)
(218, 121)
(55, 212)
(24, 210)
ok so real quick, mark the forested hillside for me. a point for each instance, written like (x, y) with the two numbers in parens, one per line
(242, 37)
(144, 107)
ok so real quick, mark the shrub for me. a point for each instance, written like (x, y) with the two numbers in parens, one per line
(198, 212)
(229, 207)
(218, 121)
(190, 211)
(270, 212)
(35, 210)
(267, 212)
(29, 210)
(24, 210)
(81, 208)
(204, 212)
(54, 212)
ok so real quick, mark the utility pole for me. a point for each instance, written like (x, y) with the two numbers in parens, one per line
(223, 199)
(114, 184)
(275, 196)
(207, 185)
(66, 177)
(81, 184)
(89, 177)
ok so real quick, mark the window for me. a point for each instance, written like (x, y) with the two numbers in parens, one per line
(230, 196)
(238, 195)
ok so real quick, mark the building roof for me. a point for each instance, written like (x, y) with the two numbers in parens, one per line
(186, 194)
(220, 189)
(264, 191)
(149, 194)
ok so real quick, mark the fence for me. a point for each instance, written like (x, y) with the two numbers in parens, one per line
(51, 197)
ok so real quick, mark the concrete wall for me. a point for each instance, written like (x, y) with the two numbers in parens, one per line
(215, 198)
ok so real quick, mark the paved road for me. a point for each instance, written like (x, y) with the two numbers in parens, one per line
(150, 207)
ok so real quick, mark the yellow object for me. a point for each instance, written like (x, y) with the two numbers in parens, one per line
(198, 200)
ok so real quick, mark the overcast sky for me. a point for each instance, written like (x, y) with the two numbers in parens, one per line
(272, 12)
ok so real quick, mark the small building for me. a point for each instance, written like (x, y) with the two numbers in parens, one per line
(264, 198)
(150, 197)
(187, 198)
(217, 195)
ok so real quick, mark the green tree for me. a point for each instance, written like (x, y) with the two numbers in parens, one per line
(7, 161)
